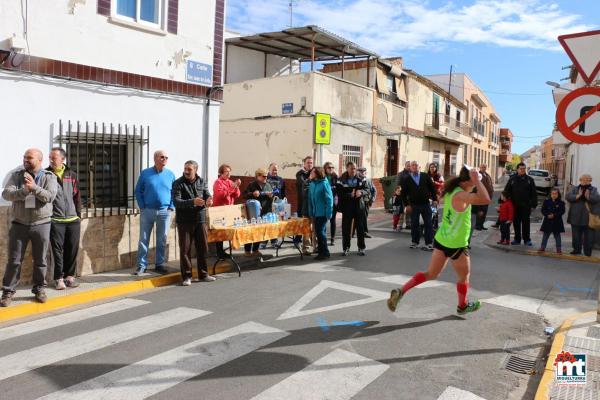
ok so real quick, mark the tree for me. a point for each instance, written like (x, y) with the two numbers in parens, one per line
(511, 166)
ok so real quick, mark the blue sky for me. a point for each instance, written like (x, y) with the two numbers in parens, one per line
(508, 47)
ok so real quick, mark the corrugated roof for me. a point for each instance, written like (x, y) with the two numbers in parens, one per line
(297, 43)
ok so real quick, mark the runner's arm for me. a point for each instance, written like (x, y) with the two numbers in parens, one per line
(461, 200)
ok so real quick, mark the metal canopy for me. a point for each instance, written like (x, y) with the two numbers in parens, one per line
(309, 43)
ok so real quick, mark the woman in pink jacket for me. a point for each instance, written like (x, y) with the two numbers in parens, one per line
(225, 191)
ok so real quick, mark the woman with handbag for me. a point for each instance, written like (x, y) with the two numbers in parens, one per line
(584, 215)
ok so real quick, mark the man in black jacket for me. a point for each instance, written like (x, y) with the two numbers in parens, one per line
(352, 193)
(66, 221)
(521, 188)
(405, 173)
(417, 192)
(191, 197)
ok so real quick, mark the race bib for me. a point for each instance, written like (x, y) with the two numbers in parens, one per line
(30, 201)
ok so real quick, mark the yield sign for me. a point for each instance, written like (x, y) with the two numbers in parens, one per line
(578, 115)
(584, 50)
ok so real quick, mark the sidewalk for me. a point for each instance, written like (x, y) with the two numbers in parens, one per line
(536, 237)
(105, 285)
(579, 335)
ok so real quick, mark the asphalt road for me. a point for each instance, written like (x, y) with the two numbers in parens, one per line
(305, 330)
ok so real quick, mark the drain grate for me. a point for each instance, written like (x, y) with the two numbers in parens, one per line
(521, 365)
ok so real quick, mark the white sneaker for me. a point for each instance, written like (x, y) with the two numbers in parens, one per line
(186, 282)
(208, 278)
(60, 284)
(414, 245)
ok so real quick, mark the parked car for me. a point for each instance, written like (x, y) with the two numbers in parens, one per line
(543, 180)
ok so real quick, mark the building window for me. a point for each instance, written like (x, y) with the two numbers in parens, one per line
(458, 115)
(436, 158)
(351, 153)
(107, 160)
(391, 83)
(140, 11)
(453, 165)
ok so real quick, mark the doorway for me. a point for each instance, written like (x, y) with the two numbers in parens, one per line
(447, 164)
(392, 158)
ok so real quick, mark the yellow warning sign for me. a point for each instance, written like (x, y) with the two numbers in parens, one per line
(322, 128)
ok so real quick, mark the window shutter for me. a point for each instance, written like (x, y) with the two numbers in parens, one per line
(104, 7)
(173, 16)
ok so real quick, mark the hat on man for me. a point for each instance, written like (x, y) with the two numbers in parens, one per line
(361, 169)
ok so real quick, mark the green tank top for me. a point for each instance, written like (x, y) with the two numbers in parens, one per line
(455, 228)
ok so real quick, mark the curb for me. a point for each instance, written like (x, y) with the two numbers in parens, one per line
(543, 390)
(509, 249)
(88, 296)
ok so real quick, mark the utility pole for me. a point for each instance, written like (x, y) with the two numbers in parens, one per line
(449, 89)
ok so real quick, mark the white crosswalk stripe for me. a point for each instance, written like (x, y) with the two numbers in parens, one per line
(67, 318)
(47, 354)
(340, 375)
(162, 371)
(452, 393)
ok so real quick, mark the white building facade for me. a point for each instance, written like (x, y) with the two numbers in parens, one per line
(111, 81)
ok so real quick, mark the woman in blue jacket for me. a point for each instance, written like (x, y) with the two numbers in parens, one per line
(553, 210)
(320, 208)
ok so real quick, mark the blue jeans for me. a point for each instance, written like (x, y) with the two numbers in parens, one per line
(148, 218)
(425, 211)
(321, 232)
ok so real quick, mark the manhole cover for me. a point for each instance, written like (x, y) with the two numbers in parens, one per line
(594, 332)
(521, 365)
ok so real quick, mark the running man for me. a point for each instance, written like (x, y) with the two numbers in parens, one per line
(452, 239)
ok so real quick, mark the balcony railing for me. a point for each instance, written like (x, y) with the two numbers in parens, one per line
(441, 121)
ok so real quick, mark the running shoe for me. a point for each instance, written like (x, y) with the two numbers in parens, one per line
(515, 243)
(361, 252)
(471, 306)
(346, 252)
(414, 245)
(529, 243)
(429, 247)
(139, 271)
(395, 296)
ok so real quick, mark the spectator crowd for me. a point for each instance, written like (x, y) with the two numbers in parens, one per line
(46, 210)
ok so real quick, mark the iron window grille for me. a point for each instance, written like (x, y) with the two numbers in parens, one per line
(352, 153)
(108, 159)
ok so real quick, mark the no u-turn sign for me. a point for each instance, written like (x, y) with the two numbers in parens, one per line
(578, 115)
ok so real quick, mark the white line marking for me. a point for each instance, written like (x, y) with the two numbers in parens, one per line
(402, 279)
(163, 371)
(317, 268)
(516, 302)
(50, 353)
(67, 318)
(340, 375)
(452, 393)
(297, 309)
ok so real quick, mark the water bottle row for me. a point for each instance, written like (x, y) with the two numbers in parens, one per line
(269, 218)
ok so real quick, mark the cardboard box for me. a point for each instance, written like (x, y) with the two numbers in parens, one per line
(229, 213)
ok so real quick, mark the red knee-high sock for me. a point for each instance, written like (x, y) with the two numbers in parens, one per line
(417, 279)
(462, 289)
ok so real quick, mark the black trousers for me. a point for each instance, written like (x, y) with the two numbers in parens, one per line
(481, 216)
(359, 217)
(332, 223)
(192, 233)
(64, 240)
(505, 231)
(522, 223)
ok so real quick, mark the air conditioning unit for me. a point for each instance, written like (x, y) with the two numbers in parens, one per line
(17, 43)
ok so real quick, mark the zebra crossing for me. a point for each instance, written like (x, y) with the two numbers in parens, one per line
(339, 374)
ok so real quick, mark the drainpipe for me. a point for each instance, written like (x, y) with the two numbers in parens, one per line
(206, 133)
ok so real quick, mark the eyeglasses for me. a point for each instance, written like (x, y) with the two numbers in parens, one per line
(164, 157)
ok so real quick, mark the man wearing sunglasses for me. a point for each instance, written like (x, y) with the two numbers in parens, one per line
(153, 195)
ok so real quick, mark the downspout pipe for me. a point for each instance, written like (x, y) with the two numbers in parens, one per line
(206, 133)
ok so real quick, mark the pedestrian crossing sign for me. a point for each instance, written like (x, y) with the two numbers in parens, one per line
(322, 128)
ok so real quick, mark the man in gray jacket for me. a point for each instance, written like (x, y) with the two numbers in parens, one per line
(31, 191)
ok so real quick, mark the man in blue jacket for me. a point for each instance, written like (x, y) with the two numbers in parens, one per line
(153, 195)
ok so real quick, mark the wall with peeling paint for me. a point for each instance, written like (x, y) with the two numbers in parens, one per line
(73, 31)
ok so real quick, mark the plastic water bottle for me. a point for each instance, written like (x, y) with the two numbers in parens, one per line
(253, 221)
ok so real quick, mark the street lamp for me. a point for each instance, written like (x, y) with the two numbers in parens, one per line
(557, 86)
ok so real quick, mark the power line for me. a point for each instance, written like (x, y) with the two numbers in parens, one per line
(493, 91)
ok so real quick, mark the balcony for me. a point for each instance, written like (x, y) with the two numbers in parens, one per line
(478, 129)
(505, 145)
(505, 156)
(443, 127)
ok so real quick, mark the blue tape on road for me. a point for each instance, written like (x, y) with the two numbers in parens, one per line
(574, 289)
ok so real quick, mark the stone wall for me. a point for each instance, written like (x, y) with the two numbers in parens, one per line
(107, 243)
